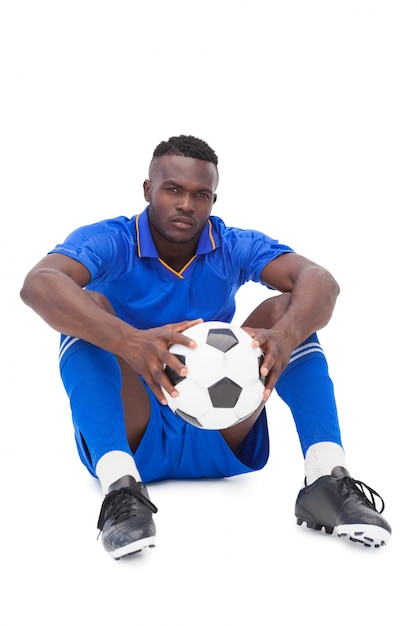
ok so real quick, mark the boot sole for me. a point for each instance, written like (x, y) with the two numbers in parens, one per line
(368, 535)
(133, 548)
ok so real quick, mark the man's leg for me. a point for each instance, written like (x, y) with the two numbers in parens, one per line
(306, 387)
(110, 410)
(331, 498)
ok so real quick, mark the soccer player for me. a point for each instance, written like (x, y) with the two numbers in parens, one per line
(123, 290)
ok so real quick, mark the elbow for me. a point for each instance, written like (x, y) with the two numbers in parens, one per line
(333, 289)
(25, 292)
(336, 286)
(31, 290)
(328, 281)
(333, 286)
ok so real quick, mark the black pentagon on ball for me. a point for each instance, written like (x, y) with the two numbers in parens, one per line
(172, 374)
(188, 418)
(223, 339)
(224, 393)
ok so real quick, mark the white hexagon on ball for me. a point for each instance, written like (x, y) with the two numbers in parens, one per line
(223, 385)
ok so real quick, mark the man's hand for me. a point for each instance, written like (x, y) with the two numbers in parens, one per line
(277, 351)
(147, 352)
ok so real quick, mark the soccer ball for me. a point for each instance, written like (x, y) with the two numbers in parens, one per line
(223, 385)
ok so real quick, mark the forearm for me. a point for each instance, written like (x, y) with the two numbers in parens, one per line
(70, 310)
(311, 305)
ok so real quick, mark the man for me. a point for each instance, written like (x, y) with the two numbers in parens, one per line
(122, 291)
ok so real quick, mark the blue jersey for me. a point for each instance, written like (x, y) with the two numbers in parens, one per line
(145, 292)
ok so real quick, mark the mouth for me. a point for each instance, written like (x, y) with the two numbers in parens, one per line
(183, 223)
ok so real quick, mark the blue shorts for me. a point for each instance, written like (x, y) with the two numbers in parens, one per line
(173, 449)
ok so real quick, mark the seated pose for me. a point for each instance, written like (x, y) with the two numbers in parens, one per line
(122, 291)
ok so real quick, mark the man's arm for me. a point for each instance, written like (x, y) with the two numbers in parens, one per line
(54, 290)
(312, 294)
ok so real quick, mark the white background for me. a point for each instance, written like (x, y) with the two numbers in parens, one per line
(311, 107)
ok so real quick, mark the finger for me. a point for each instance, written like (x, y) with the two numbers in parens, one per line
(256, 335)
(269, 386)
(266, 394)
(272, 373)
(182, 338)
(270, 357)
(176, 363)
(161, 380)
(180, 327)
(168, 386)
(251, 331)
(157, 391)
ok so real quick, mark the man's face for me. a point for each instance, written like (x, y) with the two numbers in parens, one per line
(181, 193)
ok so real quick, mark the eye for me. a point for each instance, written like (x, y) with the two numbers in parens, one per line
(201, 194)
(171, 189)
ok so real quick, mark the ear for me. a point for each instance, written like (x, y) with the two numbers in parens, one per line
(214, 198)
(147, 190)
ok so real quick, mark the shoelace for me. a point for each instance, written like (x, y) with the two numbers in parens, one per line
(116, 504)
(357, 486)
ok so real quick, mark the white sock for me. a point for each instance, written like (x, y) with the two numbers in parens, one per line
(321, 458)
(113, 465)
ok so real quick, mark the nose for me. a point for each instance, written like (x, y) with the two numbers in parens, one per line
(186, 202)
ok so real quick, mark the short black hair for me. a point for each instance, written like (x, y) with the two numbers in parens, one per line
(188, 146)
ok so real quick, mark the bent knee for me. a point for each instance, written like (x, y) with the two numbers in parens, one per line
(268, 312)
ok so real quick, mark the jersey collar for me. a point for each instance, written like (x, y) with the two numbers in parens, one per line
(209, 239)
